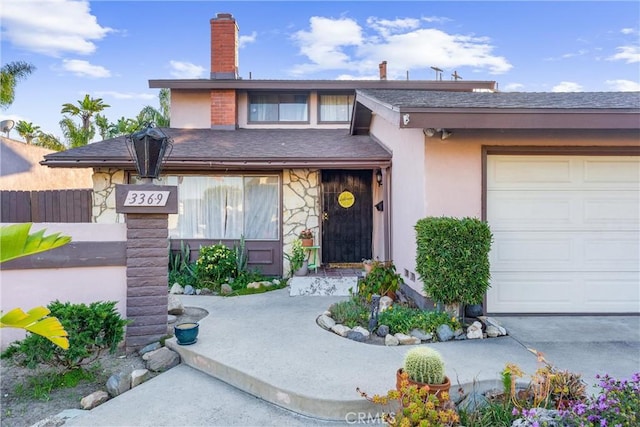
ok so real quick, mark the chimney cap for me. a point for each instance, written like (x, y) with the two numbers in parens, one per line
(224, 16)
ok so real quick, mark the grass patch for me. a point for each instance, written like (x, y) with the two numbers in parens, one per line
(251, 291)
(40, 386)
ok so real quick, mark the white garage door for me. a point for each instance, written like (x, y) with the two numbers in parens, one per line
(566, 234)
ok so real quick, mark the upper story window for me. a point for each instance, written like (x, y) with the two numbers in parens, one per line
(336, 107)
(278, 107)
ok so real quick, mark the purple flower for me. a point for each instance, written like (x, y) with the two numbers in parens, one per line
(515, 411)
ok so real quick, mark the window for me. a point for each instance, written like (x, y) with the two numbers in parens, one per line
(336, 108)
(225, 207)
(278, 107)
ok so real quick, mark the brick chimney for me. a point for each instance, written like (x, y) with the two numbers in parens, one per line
(383, 70)
(224, 65)
(224, 47)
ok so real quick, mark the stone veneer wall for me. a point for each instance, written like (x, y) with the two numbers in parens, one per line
(300, 207)
(104, 195)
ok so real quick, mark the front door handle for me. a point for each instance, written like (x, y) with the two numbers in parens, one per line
(325, 216)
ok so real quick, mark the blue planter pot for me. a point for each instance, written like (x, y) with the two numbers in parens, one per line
(186, 333)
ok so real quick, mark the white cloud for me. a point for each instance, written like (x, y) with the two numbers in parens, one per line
(342, 44)
(185, 70)
(567, 87)
(630, 54)
(124, 95)
(51, 27)
(245, 40)
(628, 31)
(85, 69)
(513, 87)
(623, 85)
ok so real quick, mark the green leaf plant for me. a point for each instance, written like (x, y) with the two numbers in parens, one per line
(16, 242)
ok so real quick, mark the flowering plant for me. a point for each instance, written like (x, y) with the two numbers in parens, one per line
(306, 234)
(617, 404)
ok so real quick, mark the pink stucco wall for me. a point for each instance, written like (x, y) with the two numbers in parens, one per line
(30, 288)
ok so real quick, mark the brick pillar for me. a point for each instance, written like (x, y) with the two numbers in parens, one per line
(147, 278)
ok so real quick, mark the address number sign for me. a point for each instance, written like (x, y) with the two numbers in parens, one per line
(146, 198)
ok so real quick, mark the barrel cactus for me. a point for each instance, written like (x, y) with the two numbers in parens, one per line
(424, 365)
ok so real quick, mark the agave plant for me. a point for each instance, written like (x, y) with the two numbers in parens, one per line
(16, 242)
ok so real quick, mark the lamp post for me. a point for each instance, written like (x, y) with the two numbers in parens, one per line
(149, 148)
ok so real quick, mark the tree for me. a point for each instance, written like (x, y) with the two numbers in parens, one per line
(75, 135)
(10, 75)
(161, 117)
(48, 140)
(16, 242)
(103, 126)
(85, 110)
(27, 130)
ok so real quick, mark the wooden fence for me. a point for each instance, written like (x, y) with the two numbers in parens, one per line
(46, 206)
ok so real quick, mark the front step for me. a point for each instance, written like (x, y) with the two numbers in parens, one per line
(322, 286)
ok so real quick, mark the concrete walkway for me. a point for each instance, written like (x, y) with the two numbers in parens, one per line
(269, 348)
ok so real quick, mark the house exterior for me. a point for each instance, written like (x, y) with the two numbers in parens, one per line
(359, 162)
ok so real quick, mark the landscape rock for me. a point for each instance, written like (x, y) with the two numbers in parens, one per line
(326, 322)
(139, 376)
(356, 336)
(253, 285)
(421, 335)
(171, 318)
(385, 303)
(341, 330)
(474, 331)
(94, 399)
(118, 383)
(492, 331)
(225, 289)
(205, 291)
(363, 331)
(490, 321)
(162, 359)
(473, 402)
(390, 340)
(276, 282)
(444, 333)
(150, 347)
(176, 289)
(383, 331)
(175, 305)
(405, 339)
(189, 290)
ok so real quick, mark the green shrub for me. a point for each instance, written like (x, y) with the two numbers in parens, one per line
(181, 269)
(380, 280)
(216, 264)
(92, 329)
(352, 312)
(403, 319)
(296, 257)
(453, 258)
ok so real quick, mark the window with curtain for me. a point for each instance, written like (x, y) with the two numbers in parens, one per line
(225, 207)
(336, 107)
(278, 107)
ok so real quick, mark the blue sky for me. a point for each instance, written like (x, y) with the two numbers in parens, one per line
(111, 49)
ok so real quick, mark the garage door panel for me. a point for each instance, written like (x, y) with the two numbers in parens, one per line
(566, 234)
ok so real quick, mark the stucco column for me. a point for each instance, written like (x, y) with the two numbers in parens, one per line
(147, 278)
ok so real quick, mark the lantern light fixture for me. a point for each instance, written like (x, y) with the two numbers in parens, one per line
(149, 148)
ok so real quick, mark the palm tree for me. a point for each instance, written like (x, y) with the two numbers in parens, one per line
(103, 126)
(85, 109)
(48, 140)
(161, 117)
(27, 130)
(10, 75)
(75, 135)
(123, 127)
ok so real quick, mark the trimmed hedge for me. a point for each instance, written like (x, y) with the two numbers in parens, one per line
(452, 258)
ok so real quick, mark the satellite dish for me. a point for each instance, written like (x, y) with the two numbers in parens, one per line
(6, 126)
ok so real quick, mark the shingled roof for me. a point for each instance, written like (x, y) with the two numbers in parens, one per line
(198, 149)
(499, 110)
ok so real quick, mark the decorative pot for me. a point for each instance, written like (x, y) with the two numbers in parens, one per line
(435, 389)
(304, 270)
(307, 242)
(473, 310)
(186, 333)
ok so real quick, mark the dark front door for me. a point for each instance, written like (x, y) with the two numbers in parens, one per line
(347, 218)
